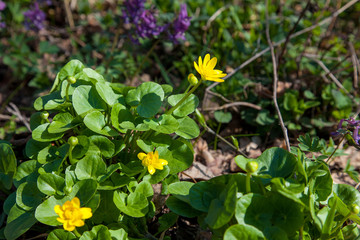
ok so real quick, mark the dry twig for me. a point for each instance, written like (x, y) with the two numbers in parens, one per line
(13, 109)
(233, 104)
(284, 129)
(333, 78)
(356, 65)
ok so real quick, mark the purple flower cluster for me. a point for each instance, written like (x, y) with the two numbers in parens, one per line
(146, 25)
(353, 125)
(180, 25)
(2, 7)
(144, 20)
(34, 18)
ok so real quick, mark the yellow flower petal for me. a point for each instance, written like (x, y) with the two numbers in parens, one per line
(141, 156)
(61, 220)
(76, 202)
(68, 226)
(212, 63)
(86, 212)
(58, 210)
(77, 223)
(206, 60)
(197, 67)
(200, 62)
(163, 162)
(151, 169)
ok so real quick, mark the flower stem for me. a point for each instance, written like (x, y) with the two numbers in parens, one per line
(77, 234)
(67, 93)
(328, 160)
(247, 182)
(171, 110)
(216, 138)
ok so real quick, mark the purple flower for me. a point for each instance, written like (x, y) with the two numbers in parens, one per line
(144, 20)
(146, 26)
(2, 5)
(353, 125)
(132, 10)
(180, 25)
(34, 18)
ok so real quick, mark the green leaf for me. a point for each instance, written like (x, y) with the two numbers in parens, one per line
(99, 232)
(347, 195)
(45, 211)
(202, 193)
(118, 234)
(255, 210)
(91, 75)
(135, 204)
(47, 47)
(24, 170)
(106, 93)
(85, 99)
(164, 124)
(107, 212)
(178, 155)
(180, 188)
(7, 165)
(28, 196)
(82, 147)
(185, 108)
(91, 166)
(61, 234)
(121, 115)
(275, 162)
(41, 134)
(95, 121)
(188, 128)
(84, 190)
(147, 97)
(222, 208)
(264, 118)
(50, 184)
(341, 101)
(158, 176)
(101, 145)
(52, 101)
(63, 122)
(243, 231)
(70, 69)
(222, 117)
(36, 120)
(308, 144)
(166, 221)
(18, 222)
(290, 101)
(9, 203)
(181, 208)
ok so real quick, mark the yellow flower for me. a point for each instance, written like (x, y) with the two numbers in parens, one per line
(207, 71)
(152, 161)
(72, 215)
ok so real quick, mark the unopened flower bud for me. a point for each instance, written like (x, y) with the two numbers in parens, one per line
(73, 141)
(354, 208)
(192, 79)
(44, 115)
(71, 80)
(200, 118)
(252, 167)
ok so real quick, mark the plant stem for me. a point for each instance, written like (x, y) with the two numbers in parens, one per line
(77, 234)
(337, 147)
(217, 133)
(170, 111)
(247, 182)
(67, 93)
(142, 174)
(342, 222)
